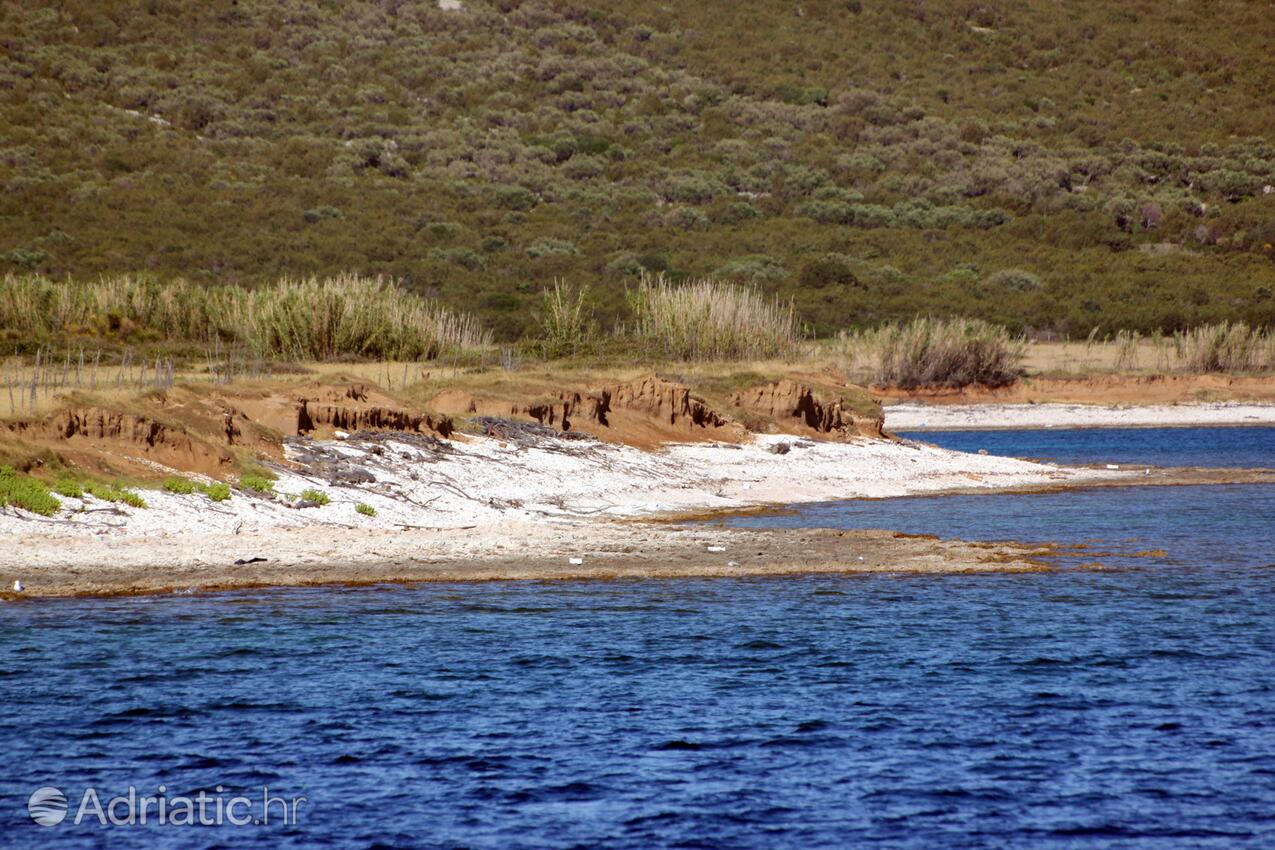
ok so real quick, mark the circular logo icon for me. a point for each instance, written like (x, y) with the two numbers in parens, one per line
(47, 806)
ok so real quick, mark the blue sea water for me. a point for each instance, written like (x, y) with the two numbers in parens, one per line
(1130, 707)
(1250, 447)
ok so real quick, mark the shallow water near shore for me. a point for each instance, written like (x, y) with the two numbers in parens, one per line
(1204, 526)
(1241, 446)
(1074, 708)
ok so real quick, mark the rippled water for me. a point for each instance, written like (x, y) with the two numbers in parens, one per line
(1252, 447)
(1125, 708)
(1208, 525)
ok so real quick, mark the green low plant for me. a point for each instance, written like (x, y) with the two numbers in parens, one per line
(365, 509)
(27, 493)
(318, 496)
(112, 493)
(177, 484)
(68, 487)
(132, 499)
(217, 492)
(256, 483)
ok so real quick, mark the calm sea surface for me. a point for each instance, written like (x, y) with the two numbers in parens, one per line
(1132, 707)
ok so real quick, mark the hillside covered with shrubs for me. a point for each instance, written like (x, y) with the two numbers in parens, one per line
(1051, 165)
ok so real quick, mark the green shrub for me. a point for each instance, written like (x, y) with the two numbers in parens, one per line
(218, 492)
(113, 493)
(317, 214)
(551, 247)
(177, 484)
(828, 270)
(25, 492)
(132, 499)
(739, 212)
(365, 509)
(316, 496)
(256, 483)
(756, 268)
(1013, 280)
(68, 487)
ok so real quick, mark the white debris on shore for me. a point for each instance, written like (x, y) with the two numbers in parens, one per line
(423, 483)
(911, 416)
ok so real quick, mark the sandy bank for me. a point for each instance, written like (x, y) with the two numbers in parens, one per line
(528, 507)
(415, 481)
(523, 506)
(516, 506)
(913, 416)
(500, 551)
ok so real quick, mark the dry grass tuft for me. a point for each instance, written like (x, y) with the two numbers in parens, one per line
(931, 352)
(1226, 347)
(299, 319)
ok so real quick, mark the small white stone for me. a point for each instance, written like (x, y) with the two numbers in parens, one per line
(341, 435)
(717, 548)
(1113, 466)
(17, 586)
(575, 561)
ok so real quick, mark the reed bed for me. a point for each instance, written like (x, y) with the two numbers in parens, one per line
(932, 352)
(299, 319)
(1226, 347)
(711, 320)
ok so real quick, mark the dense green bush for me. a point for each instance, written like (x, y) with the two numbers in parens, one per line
(460, 154)
(25, 492)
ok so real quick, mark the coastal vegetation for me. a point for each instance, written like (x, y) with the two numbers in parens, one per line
(118, 335)
(113, 493)
(23, 491)
(710, 320)
(310, 319)
(930, 352)
(865, 162)
(217, 492)
(316, 496)
(177, 484)
(255, 483)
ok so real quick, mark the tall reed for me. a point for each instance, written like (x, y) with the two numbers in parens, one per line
(566, 325)
(1225, 347)
(932, 352)
(303, 319)
(711, 320)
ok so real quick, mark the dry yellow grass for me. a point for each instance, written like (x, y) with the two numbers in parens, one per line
(418, 381)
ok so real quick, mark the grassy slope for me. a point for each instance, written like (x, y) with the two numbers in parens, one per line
(479, 154)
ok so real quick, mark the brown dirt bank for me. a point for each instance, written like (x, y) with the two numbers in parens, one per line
(216, 430)
(1099, 389)
(75, 567)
